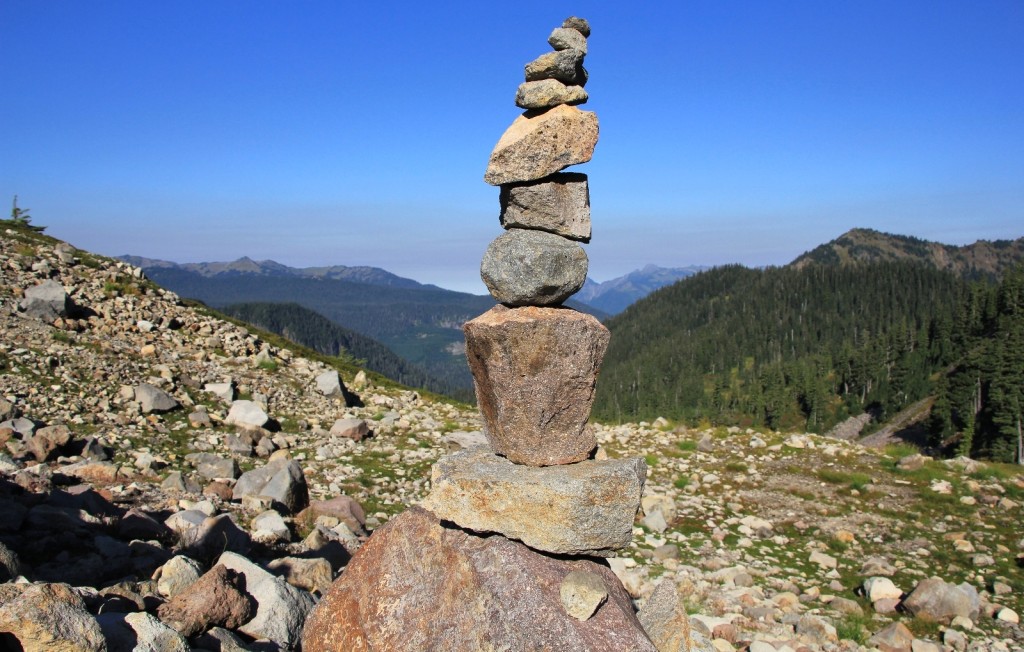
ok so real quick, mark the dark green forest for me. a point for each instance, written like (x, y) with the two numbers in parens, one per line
(308, 328)
(806, 348)
(979, 402)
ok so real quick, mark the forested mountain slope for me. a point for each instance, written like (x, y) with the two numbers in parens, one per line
(311, 329)
(780, 346)
(981, 260)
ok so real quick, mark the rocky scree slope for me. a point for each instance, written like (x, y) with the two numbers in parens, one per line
(148, 447)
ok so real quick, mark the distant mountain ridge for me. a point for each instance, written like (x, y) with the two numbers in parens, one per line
(982, 259)
(615, 295)
(246, 265)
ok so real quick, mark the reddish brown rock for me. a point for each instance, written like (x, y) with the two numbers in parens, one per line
(218, 598)
(534, 370)
(344, 508)
(419, 586)
(539, 143)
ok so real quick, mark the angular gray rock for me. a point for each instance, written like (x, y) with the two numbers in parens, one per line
(582, 592)
(10, 566)
(179, 573)
(329, 384)
(152, 399)
(213, 467)
(581, 25)
(567, 38)
(140, 631)
(585, 508)
(538, 143)
(416, 585)
(50, 617)
(545, 93)
(523, 267)
(564, 65)
(223, 391)
(280, 480)
(246, 414)
(665, 620)
(940, 601)
(281, 609)
(47, 441)
(46, 301)
(559, 204)
(535, 370)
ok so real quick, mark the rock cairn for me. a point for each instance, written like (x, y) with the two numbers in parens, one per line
(503, 547)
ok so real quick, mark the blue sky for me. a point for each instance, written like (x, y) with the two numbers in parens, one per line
(321, 133)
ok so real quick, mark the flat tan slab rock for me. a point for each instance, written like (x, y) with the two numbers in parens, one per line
(534, 370)
(558, 204)
(585, 508)
(541, 143)
(416, 585)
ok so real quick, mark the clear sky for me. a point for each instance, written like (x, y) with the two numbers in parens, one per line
(317, 133)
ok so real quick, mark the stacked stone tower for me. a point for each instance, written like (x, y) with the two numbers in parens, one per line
(502, 554)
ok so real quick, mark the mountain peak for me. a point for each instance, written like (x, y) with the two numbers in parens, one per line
(982, 259)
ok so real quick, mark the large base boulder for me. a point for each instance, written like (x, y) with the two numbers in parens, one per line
(417, 585)
(535, 370)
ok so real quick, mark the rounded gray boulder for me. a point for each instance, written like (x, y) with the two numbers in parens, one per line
(523, 267)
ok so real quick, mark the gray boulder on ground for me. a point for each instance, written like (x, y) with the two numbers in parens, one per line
(223, 391)
(351, 428)
(559, 204)
(585, 508)
(329, 384)
(47, 441)
(152, 399)
(140, 631)
(535, 370)
(940, 601)
(416, 585)
(525, 267)
(179, 573)
(46, 301)
(247, 414)
(538, 144)
(281, 480)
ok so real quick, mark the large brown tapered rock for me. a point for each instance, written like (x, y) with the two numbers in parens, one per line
(534, 370)
(540, 143)
(416, 585)
(559, 204)
(585, 508)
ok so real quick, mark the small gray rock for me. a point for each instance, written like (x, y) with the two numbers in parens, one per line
(582, 593)
(281, 480)
(525, 267)
(281, 609)
(154, 399)
(567, 38)
(564, 65)
(176, 575)
(545, 93)
(223, 391)
(579, 24)
(246, 414)
(139, 631)
(46, 301)
(356, 429)
(329, 384)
